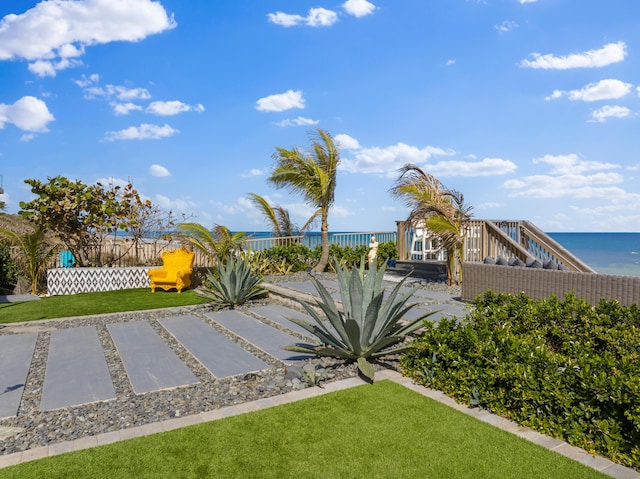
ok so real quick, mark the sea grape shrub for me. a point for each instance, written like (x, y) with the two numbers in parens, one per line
(561, 366)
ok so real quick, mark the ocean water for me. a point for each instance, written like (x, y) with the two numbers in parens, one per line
(608, 253)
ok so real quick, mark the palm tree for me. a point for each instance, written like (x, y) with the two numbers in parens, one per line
(278, 218)
(35, 253)
(312, 176)
(443, 211)
(216, 244)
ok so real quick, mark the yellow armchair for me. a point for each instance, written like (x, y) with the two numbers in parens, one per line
(175, 272)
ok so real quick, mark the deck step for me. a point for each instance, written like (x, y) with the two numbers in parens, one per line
(430, 269)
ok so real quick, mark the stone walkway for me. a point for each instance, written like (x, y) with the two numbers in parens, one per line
(77, 372)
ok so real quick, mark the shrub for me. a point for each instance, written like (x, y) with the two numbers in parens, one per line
(560, 366)
(368, 328)
(232, 284)
(386, 251)
(9, 270)
(296, 255)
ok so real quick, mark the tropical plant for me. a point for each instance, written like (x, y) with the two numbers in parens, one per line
(278, 218)
(233, 285)
(311, 175)
(443, 212)
(35, 253)
(83, 216)
(217, 245)
(311, 373)
(366, 328)
(8, 269)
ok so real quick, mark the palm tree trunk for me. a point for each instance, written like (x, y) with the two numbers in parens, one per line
(324, 241)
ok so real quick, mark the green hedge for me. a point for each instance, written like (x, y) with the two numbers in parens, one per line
(300, 257)
(561, 366)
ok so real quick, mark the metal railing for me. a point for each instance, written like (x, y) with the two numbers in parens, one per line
(149, 252)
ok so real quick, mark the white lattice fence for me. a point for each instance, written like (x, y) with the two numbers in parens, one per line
(88, 280)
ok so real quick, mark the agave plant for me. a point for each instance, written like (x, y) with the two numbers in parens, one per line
(233, 285)
(367, 328)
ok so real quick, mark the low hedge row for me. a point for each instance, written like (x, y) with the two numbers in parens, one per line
(560, 366)
(301, 257)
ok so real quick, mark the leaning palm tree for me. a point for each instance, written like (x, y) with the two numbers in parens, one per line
(216, 244)
(278, 218)
(35, 253)
(443, 211)
(311, 175)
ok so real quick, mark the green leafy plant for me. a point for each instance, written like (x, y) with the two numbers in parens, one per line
(561, 366)
(311, 373)
(233, 285)
(366, 328)
(9, 270)
(35, 253)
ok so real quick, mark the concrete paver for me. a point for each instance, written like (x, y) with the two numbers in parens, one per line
(150, 364)
(16, 352)
(77, 371)
(280, 314)
(269, 339)
(219, 355)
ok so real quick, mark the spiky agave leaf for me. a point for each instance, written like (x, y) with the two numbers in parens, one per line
(368, 328)
(234, 285)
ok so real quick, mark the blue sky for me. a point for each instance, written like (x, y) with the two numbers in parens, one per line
(530, 108)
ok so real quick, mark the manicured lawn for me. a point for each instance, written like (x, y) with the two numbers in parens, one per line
(373, 431)
(95, 303)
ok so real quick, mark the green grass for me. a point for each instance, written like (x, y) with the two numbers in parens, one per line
(95, 303)
(373, 431)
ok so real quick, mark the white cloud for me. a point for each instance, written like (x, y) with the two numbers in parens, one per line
(347, 142)
(486, 167)
(317, 17)
(168, 108)
(506, 26)
(142, 132)
(527, 1)
(566, 180)
(281, 101)
(572, 164)
(285, 19)
(300, 121)
(450, 62)
(487, 206)
(125, 108)
(358, 8)
(53, 34)
(178, 206)
(27, 137)
(253, 172)
(158, 170)
(28, 114)
(385, 161)
(603, 114)
(603, 90)
(610, 53)
(597, 185)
